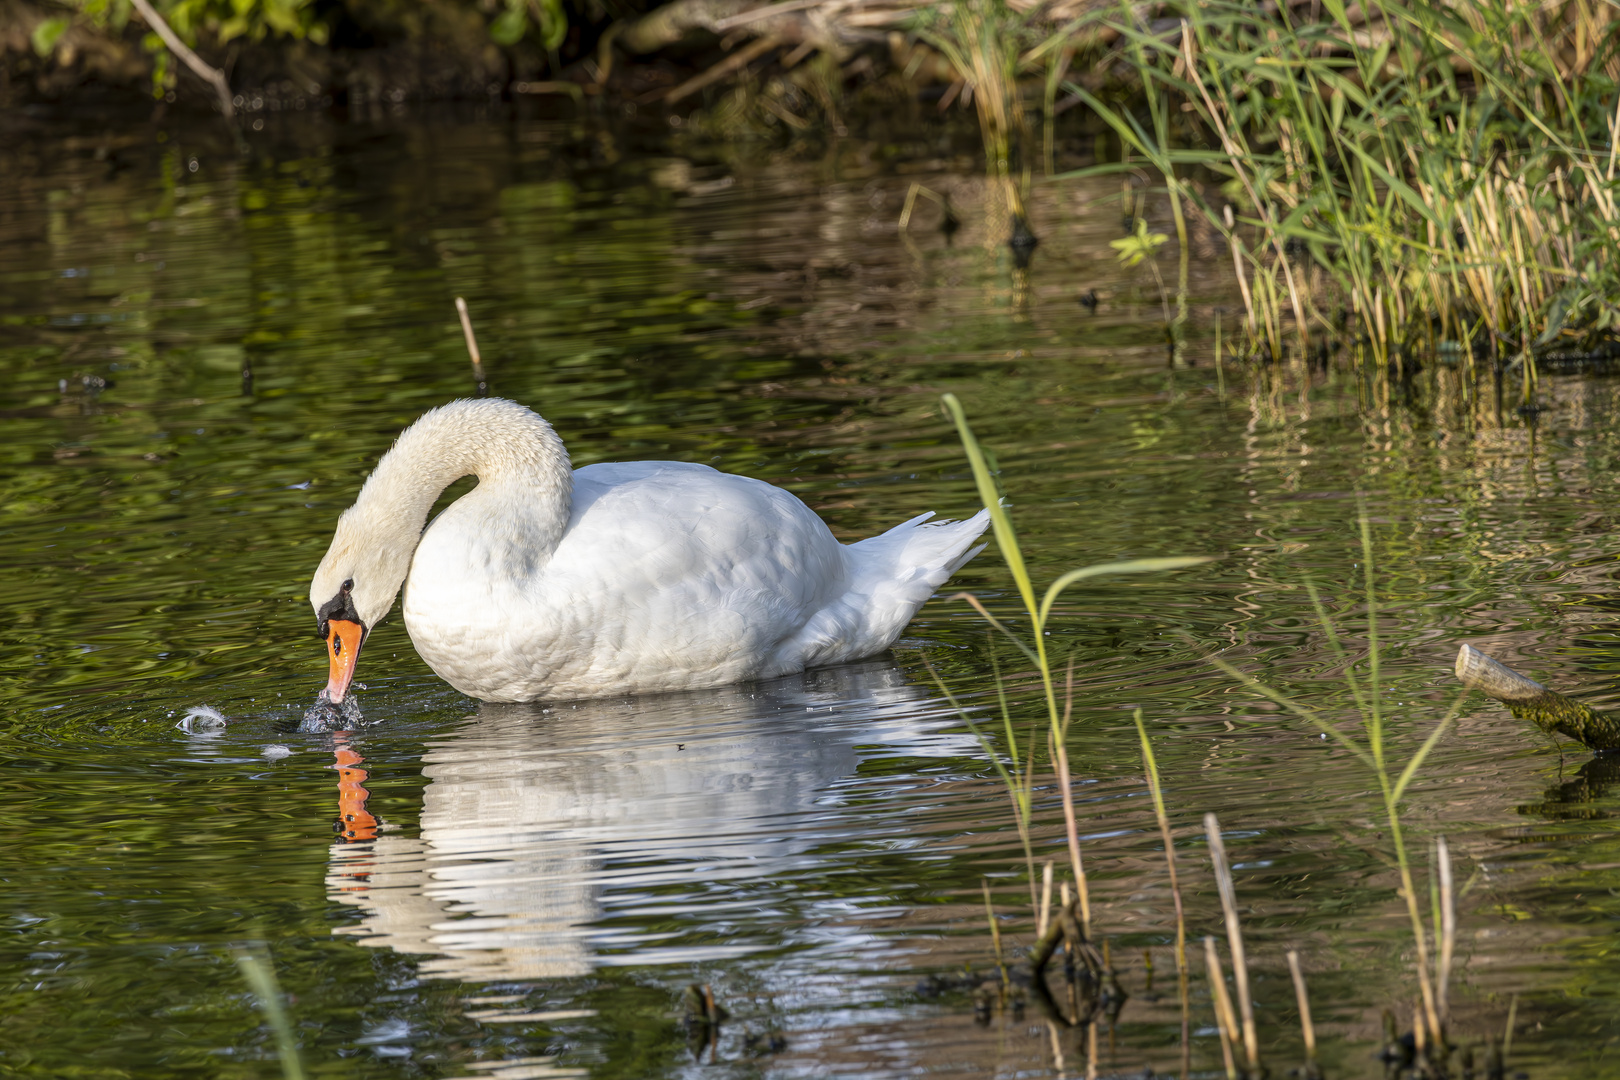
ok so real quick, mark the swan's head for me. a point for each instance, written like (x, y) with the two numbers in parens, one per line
(352, 590)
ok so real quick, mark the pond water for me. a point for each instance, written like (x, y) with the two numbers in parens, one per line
(207, 345)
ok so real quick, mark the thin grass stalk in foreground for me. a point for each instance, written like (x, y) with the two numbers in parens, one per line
(262, 979)
(1157, 791)
(1448, 929)
(1019, 783)
(1045, 915)
(995, 931)
(1234, 939)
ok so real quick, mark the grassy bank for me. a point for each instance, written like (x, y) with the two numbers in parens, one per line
(1414, 179)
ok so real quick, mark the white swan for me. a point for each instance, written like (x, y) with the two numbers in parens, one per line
(543, 582)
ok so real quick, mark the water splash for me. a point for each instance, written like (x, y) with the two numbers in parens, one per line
(326, 716)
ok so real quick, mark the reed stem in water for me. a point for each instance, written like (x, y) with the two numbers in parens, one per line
(1225, 1018)
(1234, 938)
(1159, 812)
(479, 382)
(1307, 1028)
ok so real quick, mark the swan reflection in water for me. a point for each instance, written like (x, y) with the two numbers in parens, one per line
(557, 838)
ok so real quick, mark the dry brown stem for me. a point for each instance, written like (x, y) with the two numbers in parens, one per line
(1234, 938)
(209, 74)
(472, 348)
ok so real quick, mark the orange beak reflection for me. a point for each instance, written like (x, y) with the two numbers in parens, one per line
(343, 640)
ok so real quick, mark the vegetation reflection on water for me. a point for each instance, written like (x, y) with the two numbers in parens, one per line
(206, 351)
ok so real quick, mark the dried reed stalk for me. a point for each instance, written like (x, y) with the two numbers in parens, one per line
(1225, 1018)
(479, 381)
(1307, 1028)
(1234, 938)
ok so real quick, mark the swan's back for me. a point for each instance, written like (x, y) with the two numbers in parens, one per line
(668, 576)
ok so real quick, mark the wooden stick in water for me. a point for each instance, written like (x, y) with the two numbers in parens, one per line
(1044, 916)
(204, 70)
(1529, 700)
(1072, 830)
(1305, 1025)
(1234, 939)
(1061, 927)
(472, 348)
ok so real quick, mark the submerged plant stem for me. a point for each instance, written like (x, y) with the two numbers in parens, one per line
(262, 978)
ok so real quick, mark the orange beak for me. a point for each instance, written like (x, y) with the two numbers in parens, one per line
(343, 642)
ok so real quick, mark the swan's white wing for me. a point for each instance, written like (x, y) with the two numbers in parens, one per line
(669, 576)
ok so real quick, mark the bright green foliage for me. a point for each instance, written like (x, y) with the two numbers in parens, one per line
(1140, 245)
(550, 21)
(47, 34)
(1372, 750)
(1020, 781)
(225, 20)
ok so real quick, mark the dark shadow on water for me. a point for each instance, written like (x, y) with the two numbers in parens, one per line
(1576, 799)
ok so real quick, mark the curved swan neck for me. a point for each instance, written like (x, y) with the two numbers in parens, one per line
(514, 453)
(501, 442)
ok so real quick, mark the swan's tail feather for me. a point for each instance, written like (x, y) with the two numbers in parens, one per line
(919, 550)
(890, 577)
(966, 558)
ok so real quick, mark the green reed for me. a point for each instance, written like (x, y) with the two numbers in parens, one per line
(1393, 778)
(1370, 748)
(1430, 171)
(1039, 612)
(982, 40)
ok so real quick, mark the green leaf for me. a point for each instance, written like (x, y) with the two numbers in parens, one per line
(553, 23)
(1139, 245)
(1557, 316)
(48, 33)
(509, 27)
(1002, 525)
